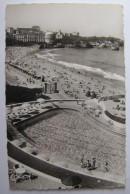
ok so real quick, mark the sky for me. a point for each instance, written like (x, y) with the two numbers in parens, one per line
(87, 19)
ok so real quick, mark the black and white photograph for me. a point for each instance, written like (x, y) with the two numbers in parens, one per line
(65, 96)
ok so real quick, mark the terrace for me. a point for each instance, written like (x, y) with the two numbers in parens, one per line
(77, 137)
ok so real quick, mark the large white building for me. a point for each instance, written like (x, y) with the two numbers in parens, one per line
(33, 34)
(49, 37)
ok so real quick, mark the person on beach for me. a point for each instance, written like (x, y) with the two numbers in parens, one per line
(94, 163)
(82, 161)
(83, 104)
(106, 166)
(88, 165)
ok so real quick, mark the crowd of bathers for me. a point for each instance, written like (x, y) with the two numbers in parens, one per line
(92, 165)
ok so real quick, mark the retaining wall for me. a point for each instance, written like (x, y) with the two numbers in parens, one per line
(34, 119)
(115, 97)
(49, 168)
(55, 171)
(41, 116)
(115, 118)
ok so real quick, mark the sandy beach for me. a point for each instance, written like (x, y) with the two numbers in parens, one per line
(72, 84)
(68, 78)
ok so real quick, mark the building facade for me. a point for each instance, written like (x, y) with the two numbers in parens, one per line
(59, 35)
(49, 37)
(75, 33)
(10, 31)
(33, 34)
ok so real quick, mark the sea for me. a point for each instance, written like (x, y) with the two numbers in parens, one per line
(105, 62)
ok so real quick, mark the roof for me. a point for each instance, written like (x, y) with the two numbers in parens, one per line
(24, 29)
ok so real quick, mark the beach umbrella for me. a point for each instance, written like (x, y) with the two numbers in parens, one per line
(71, 180)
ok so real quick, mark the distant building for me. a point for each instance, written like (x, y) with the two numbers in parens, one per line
(75, 33)
(36, 28)
(33, 34)
(83, 44)
(59, 35)
(10, 31)
(67, 34)
(102, 45)
(50, 37)
(51, 88)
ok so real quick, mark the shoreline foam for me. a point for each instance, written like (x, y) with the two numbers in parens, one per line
(52, 58)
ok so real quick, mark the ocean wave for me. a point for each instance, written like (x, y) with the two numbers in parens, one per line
(42, 56)
(49, 50)
(47, 55)
(99, 71)
(51, 58)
